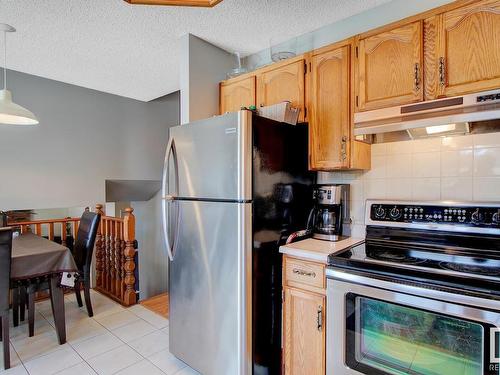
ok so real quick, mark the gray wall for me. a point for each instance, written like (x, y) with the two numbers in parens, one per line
(84, 137)
(153, 261)
(370, 19)
(202, 67)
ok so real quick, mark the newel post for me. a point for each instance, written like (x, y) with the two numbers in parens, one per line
(98, 249)
(129, 237)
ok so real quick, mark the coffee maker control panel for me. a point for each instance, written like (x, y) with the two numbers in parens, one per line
(328, 194)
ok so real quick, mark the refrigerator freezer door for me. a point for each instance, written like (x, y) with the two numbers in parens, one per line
(210, 288)
(214, 157)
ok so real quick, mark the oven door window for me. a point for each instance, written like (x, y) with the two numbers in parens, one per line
(387, 338)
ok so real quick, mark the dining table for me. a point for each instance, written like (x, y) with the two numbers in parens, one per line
(36, 258)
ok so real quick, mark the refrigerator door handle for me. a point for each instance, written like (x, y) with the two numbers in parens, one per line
(168, 199)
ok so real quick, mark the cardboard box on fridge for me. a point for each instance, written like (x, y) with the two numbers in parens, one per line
(282, 112)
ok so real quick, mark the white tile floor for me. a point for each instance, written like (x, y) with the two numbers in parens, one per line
(117, 340)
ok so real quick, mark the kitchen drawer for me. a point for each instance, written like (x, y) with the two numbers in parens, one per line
(304, 274)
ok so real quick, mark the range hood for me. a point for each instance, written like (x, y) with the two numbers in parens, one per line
(436, 115)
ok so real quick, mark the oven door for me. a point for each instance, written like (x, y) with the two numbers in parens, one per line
(378, 327)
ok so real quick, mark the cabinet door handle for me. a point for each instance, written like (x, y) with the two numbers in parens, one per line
(417, 76)
(442, 72)
(304, 273)
(319, 318)
(343, 148)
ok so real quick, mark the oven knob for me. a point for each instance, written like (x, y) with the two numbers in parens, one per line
(380, 212)
(395, 213)
(477, 217)
(496, 217)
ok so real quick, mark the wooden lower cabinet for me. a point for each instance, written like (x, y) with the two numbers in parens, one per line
(304, 317)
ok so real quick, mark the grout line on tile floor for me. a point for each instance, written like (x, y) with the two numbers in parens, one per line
(45, 317)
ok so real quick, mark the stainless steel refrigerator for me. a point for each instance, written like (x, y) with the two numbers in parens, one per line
(234, 186)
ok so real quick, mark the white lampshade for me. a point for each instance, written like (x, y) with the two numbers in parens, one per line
(12, 113)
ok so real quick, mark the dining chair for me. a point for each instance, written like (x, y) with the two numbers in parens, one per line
(83, 250)
(5, 261)
(82, 253)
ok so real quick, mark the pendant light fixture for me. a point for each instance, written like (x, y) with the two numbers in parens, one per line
(10, 112)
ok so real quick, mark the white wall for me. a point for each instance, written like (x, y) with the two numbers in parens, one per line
(365, 21)
(84, 137)
(464, 168)
(203, 66)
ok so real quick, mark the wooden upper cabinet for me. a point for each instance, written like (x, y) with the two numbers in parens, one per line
(468, 49)
(304, 334)
(237, 93)
(329, 105)
(282, 82)
(389, 68)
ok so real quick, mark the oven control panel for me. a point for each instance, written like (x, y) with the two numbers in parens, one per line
(408, 213)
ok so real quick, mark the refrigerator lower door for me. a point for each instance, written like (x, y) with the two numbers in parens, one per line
(213, 158)
(210, 288)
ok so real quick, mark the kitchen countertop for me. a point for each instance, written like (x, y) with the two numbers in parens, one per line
(318, 250)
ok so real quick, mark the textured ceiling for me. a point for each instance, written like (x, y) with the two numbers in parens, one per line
(133, 50)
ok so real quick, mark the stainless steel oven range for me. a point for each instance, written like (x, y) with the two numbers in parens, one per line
(421, 295)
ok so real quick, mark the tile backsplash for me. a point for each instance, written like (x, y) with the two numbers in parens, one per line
(464, 168)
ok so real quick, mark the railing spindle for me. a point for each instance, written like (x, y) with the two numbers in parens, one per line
(129, 236)
(63, 233)
(106, 254)
(51, 231)
(99, 250)
(75, 229)
(112, 271)
(122, 243)
(117, 287)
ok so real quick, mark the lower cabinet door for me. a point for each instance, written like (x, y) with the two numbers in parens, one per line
(304, 332)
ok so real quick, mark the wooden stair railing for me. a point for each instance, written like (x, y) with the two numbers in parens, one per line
(115, 252)
(69, 227)
(115, 249)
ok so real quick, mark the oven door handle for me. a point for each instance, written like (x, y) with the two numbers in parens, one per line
(410, 288)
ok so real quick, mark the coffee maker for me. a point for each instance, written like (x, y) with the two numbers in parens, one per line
(330, 219)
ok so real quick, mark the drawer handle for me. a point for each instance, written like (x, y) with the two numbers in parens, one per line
(304, 273)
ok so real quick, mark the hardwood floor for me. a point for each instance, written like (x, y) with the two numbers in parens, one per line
(157, 304)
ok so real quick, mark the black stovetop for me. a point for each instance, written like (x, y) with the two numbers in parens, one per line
(464, 262)
(443, 261)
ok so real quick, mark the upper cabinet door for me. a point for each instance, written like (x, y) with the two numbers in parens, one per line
(330, 117)
(237, 93)
(390, 68)
(283, 83)
(469, 46)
